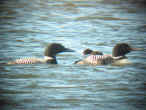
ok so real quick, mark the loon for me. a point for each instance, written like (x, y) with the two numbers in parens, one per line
(117, 58)
(96, 58)
(121, 49)
(50, 55)
(89, 51)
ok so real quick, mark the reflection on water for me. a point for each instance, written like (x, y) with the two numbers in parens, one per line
(26, 27)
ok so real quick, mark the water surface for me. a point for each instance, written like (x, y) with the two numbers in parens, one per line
(26, 28)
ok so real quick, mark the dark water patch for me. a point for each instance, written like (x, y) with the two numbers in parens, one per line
(100, 18)
(138, 2)
(66, 4)
(10, 92)
(112, 18)
(86, 3)
(32, 85)
(118, 2)
(18, 76)
(114, 27)
(113, 2)
(142, 28)
(7, 103)
(132, 10)
(19, 40)
(7, 17)
(24, 31)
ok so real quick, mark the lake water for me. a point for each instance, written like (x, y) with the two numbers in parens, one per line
(26, 27)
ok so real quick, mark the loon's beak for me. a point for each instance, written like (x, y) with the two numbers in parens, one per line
(136, 49)
(68, 50)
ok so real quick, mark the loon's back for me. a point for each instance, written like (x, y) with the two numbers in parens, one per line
(97, 60)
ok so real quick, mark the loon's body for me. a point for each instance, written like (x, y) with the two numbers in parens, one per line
(117, 58)
(90, 57)
(50, 55)
(32, 60)
(98, 60)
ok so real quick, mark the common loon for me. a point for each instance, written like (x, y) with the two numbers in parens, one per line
(121, 49)
(89, 51)
(50, 55)
(117, 58)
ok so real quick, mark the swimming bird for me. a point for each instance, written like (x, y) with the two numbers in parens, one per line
(117, 58)
(50, 55)
(121, 49)
(91, 52)
(98, 60)
(88, 52)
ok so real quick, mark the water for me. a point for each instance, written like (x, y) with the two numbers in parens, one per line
(26, 27)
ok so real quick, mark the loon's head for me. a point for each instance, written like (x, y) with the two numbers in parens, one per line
(89, 51)
(54, 48)
(121, 49)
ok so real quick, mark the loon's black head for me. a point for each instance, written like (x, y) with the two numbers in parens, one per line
(89, 51)
(122, 49)
(55, 48)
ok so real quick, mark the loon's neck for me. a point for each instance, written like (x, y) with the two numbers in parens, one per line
(50, 60)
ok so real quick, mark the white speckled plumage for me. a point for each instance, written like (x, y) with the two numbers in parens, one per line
(30, 60)
(98, 60)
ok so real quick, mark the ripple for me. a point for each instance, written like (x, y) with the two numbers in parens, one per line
(100, 18)
(7, 91)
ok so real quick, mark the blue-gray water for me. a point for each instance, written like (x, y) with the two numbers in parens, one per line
(26, 27)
